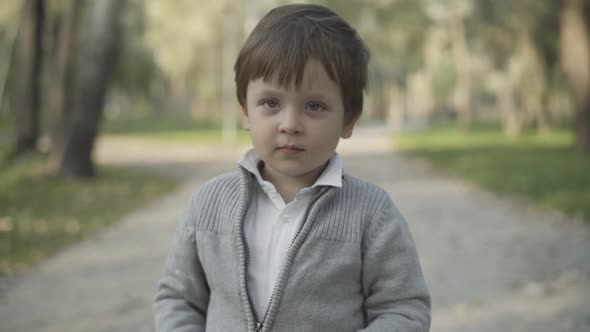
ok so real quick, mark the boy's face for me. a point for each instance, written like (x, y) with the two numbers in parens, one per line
(296, 131)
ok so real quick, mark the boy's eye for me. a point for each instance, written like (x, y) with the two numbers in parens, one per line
(271, 103)
(315, 107)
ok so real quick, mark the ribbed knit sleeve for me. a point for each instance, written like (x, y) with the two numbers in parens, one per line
(183, 293)
(396, 295)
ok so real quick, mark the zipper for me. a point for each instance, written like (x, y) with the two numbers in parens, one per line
(260, 323)
(258, 326)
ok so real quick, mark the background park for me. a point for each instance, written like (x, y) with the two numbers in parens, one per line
(477, 122)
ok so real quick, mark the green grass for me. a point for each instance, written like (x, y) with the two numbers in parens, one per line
(170, 127)
(167, 127)
(208, 136)
(545, 168)
(39, 215)
(6, 131)
(145, 122)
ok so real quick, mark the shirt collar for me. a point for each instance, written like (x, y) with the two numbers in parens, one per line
(331, 176)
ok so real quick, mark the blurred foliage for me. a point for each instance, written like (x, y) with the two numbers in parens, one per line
(393, 29)
(38, 215)
(444, 77)
(137, 71)
(495, 26)
(542, 167)
(172, 54)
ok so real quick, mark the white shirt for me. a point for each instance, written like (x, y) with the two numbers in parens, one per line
(270, 226)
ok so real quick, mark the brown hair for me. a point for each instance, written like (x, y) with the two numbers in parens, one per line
(285, 39)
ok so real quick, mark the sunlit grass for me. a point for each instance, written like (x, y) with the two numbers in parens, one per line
(208, 136)
(5, 125)
(545, 168)
(172, 127)
(39, 215)
(149, 122)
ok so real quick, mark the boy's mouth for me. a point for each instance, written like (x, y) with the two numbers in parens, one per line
(290, 148)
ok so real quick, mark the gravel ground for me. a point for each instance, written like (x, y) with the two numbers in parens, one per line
(492, 263)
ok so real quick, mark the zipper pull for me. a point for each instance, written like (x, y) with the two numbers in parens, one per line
(258, 326)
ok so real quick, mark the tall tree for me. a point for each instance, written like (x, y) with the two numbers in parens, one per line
(61, 96)
(452, 14)
(94, 65)
(462, 56)
(520, 38)
(575, 61)
(9, 28)
(26, 91)
(394, 31)
(229, 52)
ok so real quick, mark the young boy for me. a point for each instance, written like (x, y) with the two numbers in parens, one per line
(289, 242)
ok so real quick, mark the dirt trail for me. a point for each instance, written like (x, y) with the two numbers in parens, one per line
(492, 263)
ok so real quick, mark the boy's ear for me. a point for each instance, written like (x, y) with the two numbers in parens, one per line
(245, 120)
(349, 126)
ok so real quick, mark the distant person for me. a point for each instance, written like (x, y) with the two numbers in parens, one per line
(288, 242)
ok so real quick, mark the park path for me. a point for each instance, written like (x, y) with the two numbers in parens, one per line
(492, 263)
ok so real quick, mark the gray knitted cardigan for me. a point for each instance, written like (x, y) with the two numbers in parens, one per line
(352, 266)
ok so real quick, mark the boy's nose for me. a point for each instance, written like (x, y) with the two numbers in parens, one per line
(290, 122)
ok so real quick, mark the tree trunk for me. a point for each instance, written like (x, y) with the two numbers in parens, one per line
(229, 51)
(462, 93)
(533, 87)
(7, 67)
(502, 85)
(26, 91)
(96, 60)
(433, 49)
(575, 62)
(62, 91)
(395, 107)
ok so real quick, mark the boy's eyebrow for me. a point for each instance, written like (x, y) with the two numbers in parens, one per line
(270, 90)
(278, 91)
(317, 95)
